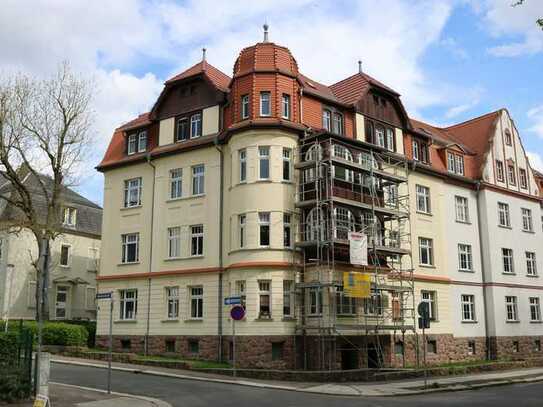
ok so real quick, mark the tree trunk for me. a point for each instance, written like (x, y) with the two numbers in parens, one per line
(42, 279)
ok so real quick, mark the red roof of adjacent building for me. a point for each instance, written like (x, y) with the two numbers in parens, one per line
(351, 89)
(215, 76)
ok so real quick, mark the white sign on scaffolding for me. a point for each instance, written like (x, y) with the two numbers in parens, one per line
(358, 248)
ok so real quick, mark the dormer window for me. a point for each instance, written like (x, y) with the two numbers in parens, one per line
(69, 217)
(390, 139)
(420, 151)
(338, 123)
(196, 125)
(455, 163)
(265, 104)
(182, 133)
(137, 142)
(245, 106)
(327, 120)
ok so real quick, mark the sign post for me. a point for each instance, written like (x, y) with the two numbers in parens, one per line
(108, 296)
(237, 313)
(424, 322)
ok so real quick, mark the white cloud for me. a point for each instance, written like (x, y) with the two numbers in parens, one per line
(535, 115)
(536, 160)
(517, 24)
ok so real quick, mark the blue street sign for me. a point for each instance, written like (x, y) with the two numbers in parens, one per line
(104, 296)
(232, 300)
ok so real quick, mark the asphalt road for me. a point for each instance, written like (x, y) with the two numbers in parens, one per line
(190, 393)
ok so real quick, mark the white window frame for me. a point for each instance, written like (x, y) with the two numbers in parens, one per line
(508, 261)
(314, 301)
(535, 309)
(337, 123)
(197, 240)
(504, 219)
(196, 125)
(287, 164)
(465, 257)
(245, 107)
(142, 141)
(242, 227)
(198, 180)
(423, 199)
(264, 290)
(242, 154)
(345, 305)
(133, 189)
(511, 174)
(132, 144)
(527, 220)
(68, 255)
(174, 242)
(182, 123)
(265, 101)
(426, 244)
(430, 297)
(415, 146)
(128, 296)
(327, 120)
(380, 135)
(285, 106)
(531, 264)
(523, 178)
(70, 216)
(511, 308)
(172, 302)
(468, 307)
(500, 174)
(264, 220)
(134, 239)
(196, 296)
(390, 138)
(176, 183)
(461, 205)
(264, 162)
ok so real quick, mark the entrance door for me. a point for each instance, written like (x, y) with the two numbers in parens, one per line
(61, 302)
(349, 359)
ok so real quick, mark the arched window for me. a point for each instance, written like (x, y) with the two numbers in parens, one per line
(340, 172)
(344, 223)
(314, 224)
(314, 152)
(367, 161)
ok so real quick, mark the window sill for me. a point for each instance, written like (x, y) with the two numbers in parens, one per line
(260, 319)
(508, 274)
(249, 249)
(463, 222)
(263, 181)
(427, 266)
(528, 231)
(128, 264)
(169, 320)
(127, 208)
(470, 322)
(65, 266)
(288, 319)
(532, 275)
(287, 182)
(346, 316)
(536, 322)
(189, 320)
(466, 271)
(184, 198)
(424, 213)
(126, 321)
(513, 322)
(505, 227)
(184, 258)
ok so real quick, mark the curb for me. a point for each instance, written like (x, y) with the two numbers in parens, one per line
(153, 401)
(352, 392)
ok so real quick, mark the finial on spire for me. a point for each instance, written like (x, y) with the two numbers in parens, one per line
(266, 26)
(203, 54)
(359, 66)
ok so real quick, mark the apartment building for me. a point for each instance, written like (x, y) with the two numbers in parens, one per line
(250, 185)
(75, 258)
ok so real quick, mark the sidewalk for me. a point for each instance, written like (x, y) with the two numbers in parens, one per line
(395, 388)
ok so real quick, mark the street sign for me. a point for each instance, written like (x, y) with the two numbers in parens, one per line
(424, 323)
(232, 300)
(237, 312)
(424, 310)
(104, 296)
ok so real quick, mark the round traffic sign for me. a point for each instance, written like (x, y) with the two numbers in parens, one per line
(424, 309)
(237, 312)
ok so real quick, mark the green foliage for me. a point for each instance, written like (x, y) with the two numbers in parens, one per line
(14, 380)
(55, 333)
(91, 329)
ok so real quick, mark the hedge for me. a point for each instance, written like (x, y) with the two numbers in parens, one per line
(14, 380)
(55, 333)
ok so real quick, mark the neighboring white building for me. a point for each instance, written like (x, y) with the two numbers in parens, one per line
(74, 263)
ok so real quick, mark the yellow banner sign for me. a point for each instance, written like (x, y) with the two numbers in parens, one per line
(357, 285)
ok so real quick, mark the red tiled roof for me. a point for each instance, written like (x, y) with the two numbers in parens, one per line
(475, 133)
(215, 76)
(351, 89)
(142, 120)
(317, 89)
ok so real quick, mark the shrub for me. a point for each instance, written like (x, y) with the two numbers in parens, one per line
(91, 329)
(14, 380)
(56, 333)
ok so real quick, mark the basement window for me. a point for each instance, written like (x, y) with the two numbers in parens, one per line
(278, 350)
(126, 344)
(516, 347)
(194, 346)
(398, 348)
(431, 346)
(170, 345)
(471, 347)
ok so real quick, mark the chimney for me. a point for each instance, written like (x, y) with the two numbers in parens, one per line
(359, 66)
(203, 54)
(265, 26)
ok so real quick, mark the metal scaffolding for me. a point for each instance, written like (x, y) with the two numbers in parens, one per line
(347, 185)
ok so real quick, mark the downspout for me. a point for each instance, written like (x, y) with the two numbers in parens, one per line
(147, 328)
(221, 217)
(483, 278)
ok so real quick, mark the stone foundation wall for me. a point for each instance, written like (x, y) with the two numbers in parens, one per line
(293, 352)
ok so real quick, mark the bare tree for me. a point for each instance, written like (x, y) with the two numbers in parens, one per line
(44, 134)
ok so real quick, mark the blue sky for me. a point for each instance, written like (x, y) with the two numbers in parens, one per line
(450, 59)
